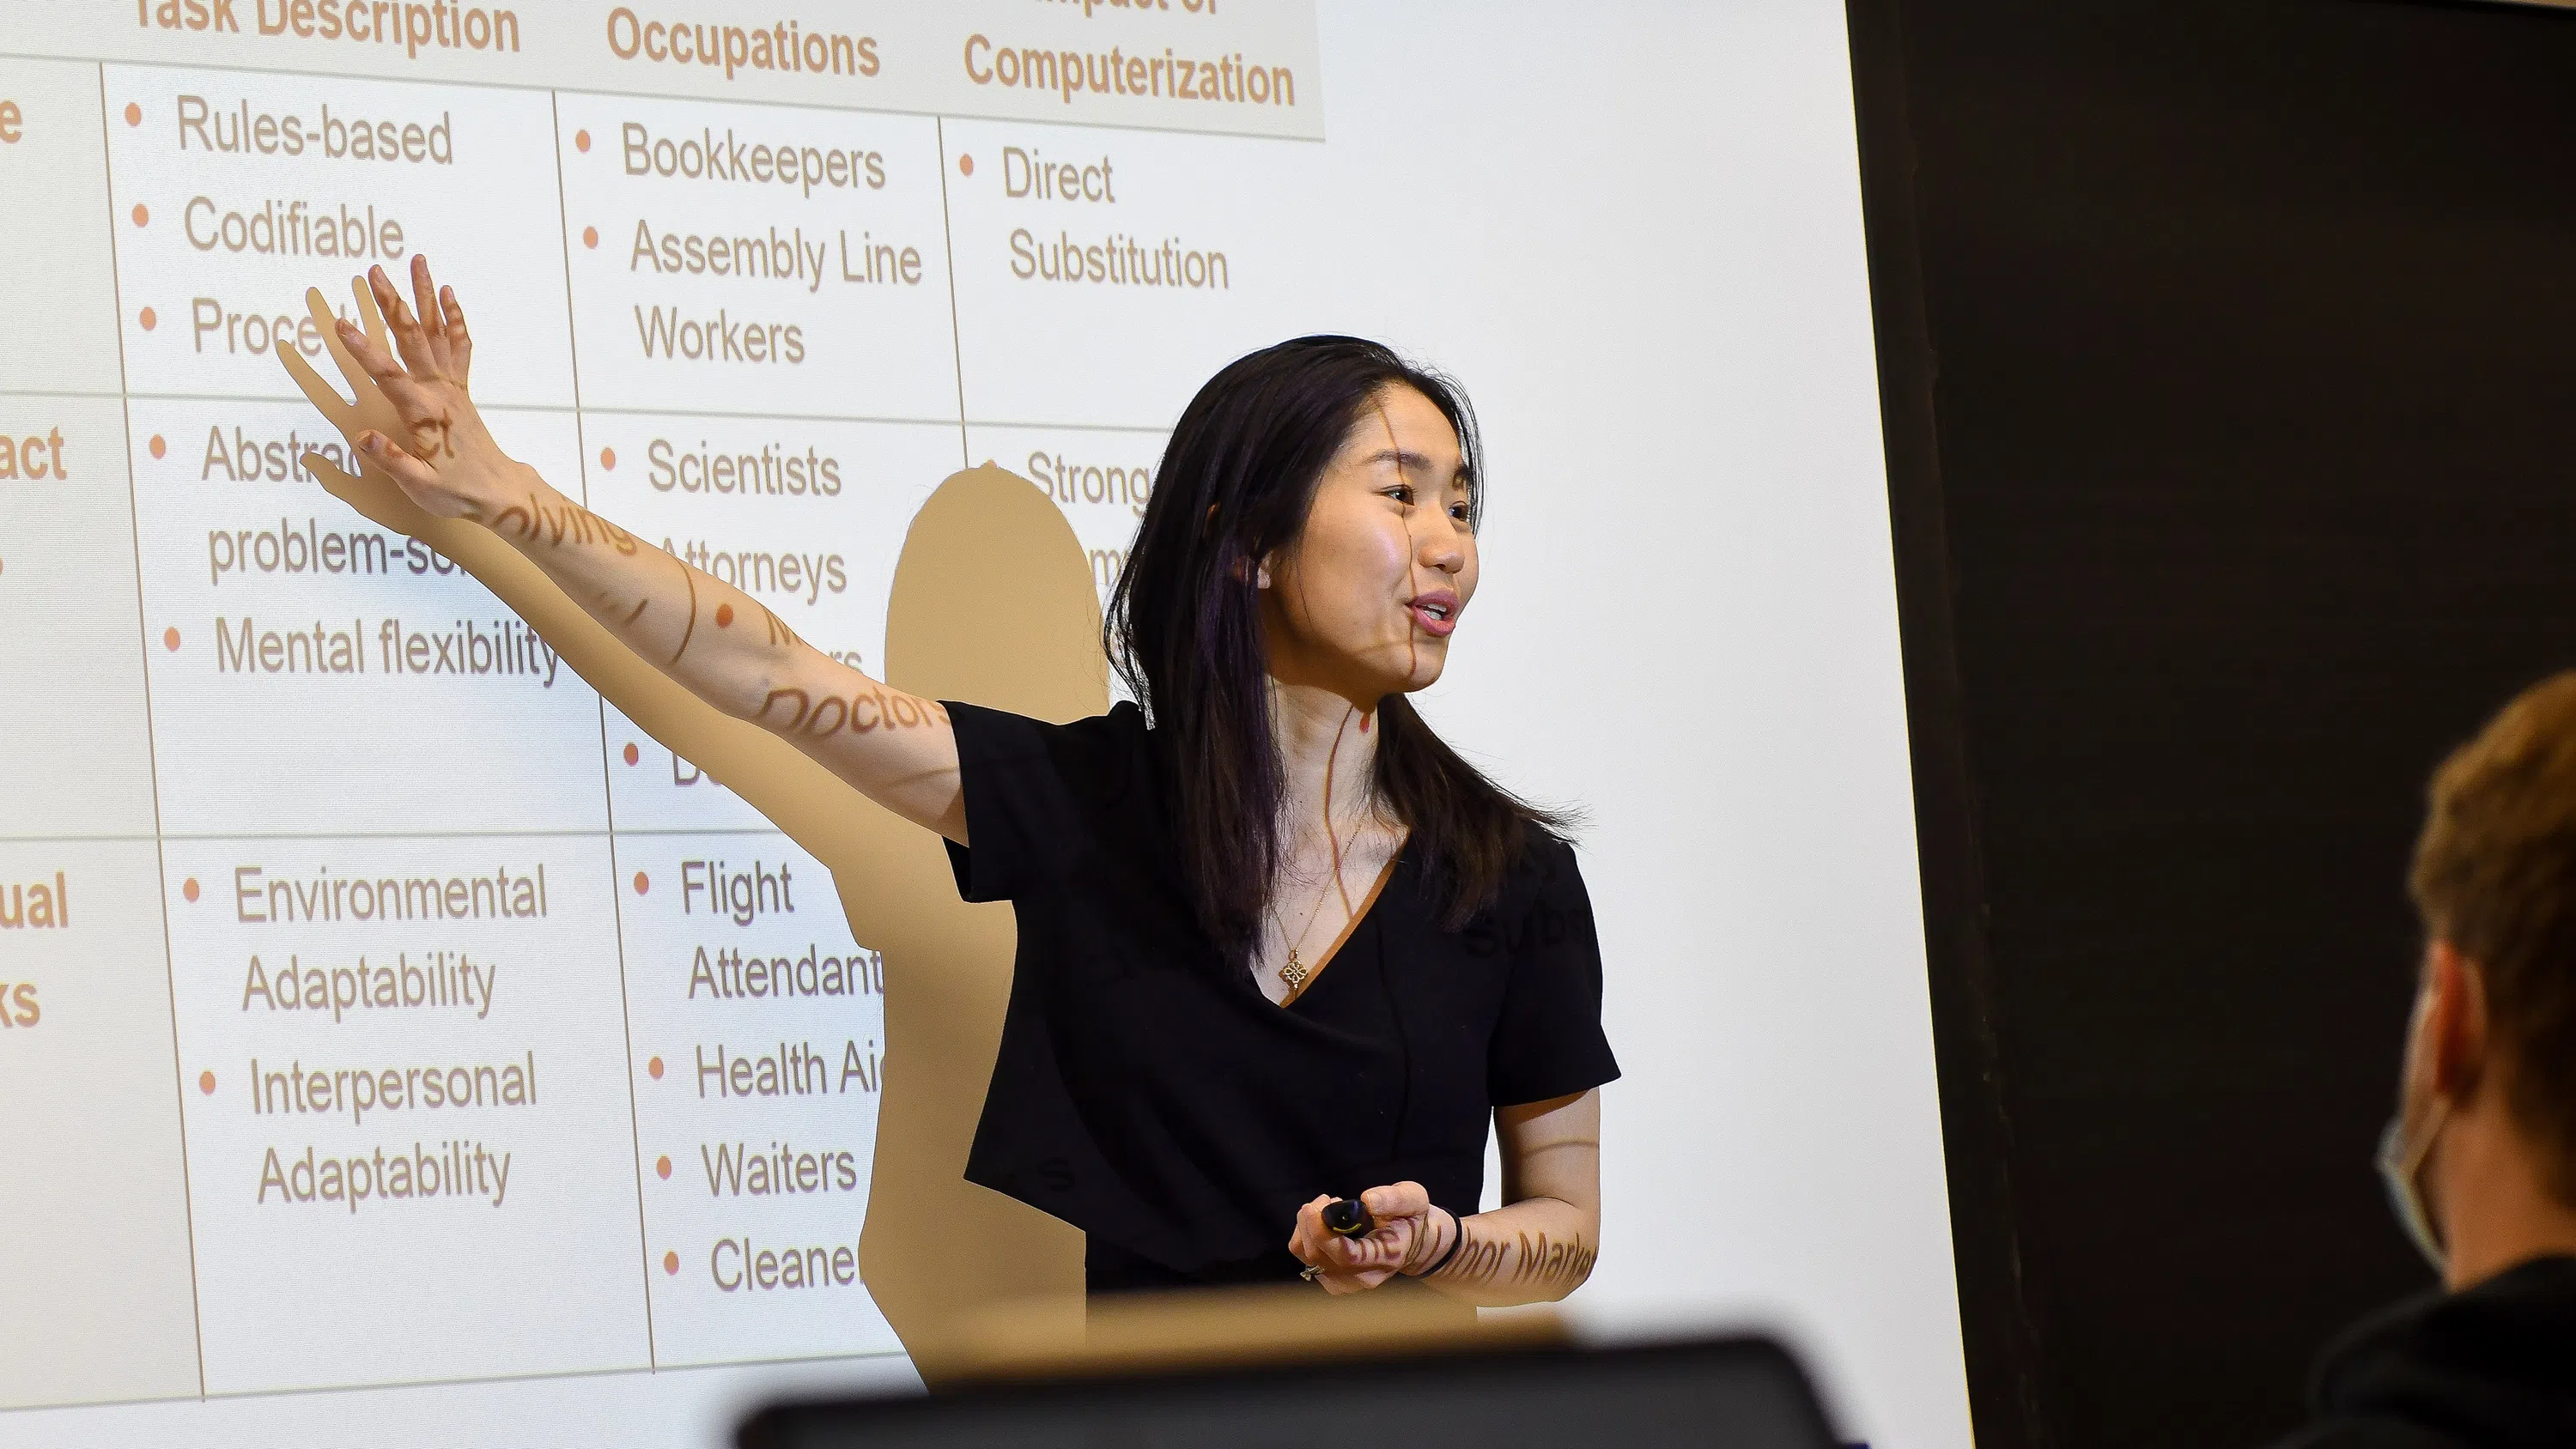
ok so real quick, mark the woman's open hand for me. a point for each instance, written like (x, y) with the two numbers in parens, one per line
(1409, 1233)
(413, 422)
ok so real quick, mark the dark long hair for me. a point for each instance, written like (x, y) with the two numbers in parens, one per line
(1184, 630)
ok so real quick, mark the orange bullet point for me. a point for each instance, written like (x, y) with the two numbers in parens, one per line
(206, 1083)
(662, 1165)
(653, 1069)
(608, 459)
(966, 166)
(581, 140)
(190, 890)
(170, 640)
(133, 114)
(142, 214)
(159, 447)
(724, 616)
(671, 1264)
(643, 883)
(633, 754)
(590, 236)
(147, 319)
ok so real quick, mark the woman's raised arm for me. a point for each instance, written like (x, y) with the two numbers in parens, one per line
(721, 644)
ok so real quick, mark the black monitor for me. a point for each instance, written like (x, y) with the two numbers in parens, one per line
(1744, 1393)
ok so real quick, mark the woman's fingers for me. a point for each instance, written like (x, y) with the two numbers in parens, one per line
(441, 320)
(1384, 1248)
(1355, 1265)
(1397, 1200)
(360, 355)
(415, 476)
(460, 343)
(1319, 1246)
(1354, 1282)
(1305, 1240)
(380, 368)
(388, 302)
(367, 365)
(370, 315)
(408, 339)
(364, 353)
(424, 297)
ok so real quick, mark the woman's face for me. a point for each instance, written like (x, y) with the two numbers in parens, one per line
(1363, 603)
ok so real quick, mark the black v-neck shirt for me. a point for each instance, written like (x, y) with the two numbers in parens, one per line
(1149, 1094)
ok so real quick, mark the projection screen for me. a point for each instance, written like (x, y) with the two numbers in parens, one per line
(401, 1047)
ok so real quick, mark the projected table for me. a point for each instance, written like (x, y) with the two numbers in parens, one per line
(381, 1006)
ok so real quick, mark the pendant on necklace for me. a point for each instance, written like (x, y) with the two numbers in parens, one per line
(1292, 970)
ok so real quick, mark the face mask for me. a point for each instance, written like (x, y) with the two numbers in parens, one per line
(2401, 1161)
(2401, 1171)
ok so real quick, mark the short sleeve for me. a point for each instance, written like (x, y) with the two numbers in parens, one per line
(1548, 1041)
(1030, 791)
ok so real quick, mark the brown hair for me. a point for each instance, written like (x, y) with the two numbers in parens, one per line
(2495, 876)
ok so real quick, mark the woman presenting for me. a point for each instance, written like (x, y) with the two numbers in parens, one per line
(1277, 943)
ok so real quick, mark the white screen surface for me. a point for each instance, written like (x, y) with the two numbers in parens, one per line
(1633, 233)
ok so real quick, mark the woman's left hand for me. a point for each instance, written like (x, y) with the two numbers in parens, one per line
(1408, 1227)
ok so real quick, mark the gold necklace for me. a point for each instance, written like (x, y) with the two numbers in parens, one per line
(1294, 971)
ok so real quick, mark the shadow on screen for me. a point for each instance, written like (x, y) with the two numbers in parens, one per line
(1745, 1393)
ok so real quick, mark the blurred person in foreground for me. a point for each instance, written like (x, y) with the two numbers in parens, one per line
(2480, 1160)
